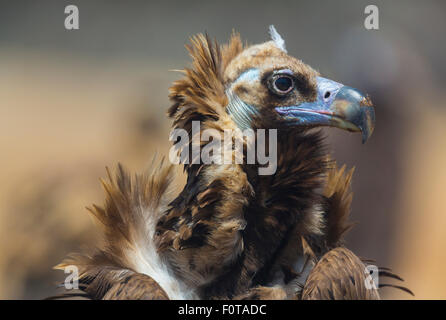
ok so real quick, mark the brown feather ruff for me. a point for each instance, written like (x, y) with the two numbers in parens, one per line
(200, 233)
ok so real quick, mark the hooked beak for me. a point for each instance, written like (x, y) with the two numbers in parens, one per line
(336, 106)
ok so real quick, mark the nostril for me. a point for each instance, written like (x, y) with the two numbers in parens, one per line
(327, 94)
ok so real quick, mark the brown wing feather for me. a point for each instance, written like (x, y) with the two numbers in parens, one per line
(111, 272)
(339, 275)
(101, 279)
(136, 286)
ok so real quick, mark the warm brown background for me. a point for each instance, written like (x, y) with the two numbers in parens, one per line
(72, 102)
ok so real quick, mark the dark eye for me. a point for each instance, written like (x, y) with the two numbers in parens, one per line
(283, 84)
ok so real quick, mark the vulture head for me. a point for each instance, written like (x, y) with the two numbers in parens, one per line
(266, 87)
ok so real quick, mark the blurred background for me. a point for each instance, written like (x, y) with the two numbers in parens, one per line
(73, 102)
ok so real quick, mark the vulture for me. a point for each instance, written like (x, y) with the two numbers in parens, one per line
(234, 232)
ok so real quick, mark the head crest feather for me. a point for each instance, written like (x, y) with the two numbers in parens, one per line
(277, 38)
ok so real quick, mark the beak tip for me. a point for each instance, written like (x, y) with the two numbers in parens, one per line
(369, 121)
(356, 109)
(365, 136)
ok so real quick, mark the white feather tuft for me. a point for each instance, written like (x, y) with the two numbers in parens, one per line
(277, 38)
(146, 260)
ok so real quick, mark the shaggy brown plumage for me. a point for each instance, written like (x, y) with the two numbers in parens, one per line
(231, 233)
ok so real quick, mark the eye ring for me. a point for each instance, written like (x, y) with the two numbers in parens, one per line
(282, 84)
